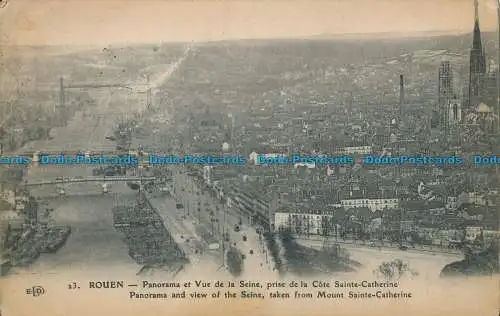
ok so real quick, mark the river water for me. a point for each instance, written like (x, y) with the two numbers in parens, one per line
(94, 246)
(93, 243)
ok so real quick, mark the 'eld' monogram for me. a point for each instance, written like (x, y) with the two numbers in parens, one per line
(35, 290)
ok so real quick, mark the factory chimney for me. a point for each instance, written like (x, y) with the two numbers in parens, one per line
(149, 103)
(401, 96)
(61, 92)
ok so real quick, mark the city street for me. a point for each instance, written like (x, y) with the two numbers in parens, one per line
(223, 220)
(181, 229)
(376, 244)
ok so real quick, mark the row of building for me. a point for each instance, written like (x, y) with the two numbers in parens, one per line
(325, 212)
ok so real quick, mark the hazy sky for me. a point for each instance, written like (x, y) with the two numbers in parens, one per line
(84, 22)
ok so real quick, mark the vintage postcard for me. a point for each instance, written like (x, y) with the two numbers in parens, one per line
(249, 157)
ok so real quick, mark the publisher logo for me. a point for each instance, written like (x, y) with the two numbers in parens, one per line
(35, 291)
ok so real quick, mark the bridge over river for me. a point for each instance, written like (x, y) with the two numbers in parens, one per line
(67, 180)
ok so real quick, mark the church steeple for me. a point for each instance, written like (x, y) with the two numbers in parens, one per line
(476, 11)
(477, 64)
(476, 41)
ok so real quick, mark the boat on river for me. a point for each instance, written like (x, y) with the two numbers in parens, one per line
(55, 238)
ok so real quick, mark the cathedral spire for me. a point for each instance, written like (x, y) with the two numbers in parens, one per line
(476, 42)
(476, 11)
(477, 61)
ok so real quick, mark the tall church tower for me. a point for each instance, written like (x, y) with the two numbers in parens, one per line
(445, 93)
(449, 107)
(477, 70)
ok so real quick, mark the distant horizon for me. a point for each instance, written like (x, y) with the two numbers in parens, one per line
(319, 37)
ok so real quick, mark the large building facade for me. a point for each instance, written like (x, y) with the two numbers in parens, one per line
(449, 106)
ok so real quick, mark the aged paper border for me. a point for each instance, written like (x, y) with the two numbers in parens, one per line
(477, 296)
